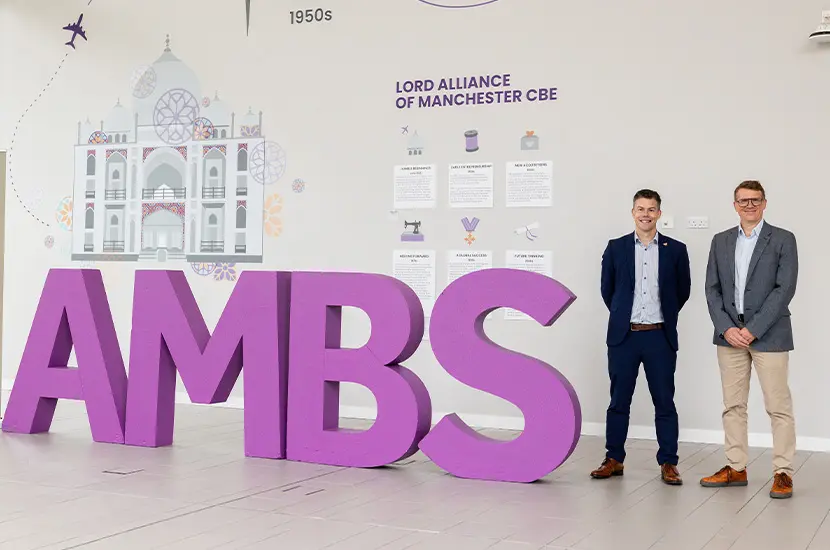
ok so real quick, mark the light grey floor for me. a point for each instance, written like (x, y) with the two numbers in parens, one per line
(61, 490)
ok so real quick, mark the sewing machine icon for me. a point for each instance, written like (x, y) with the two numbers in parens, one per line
(412, 236)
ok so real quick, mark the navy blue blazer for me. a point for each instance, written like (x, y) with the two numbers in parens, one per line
(617, 285)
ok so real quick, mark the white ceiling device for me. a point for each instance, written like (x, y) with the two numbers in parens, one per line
(822, 33)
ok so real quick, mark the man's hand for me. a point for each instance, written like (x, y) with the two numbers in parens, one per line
(747, 336)
(736, 338)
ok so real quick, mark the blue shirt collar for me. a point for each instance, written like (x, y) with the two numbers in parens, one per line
(755, 230)
(655, 240)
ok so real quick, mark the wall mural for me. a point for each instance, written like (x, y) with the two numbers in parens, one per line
(178, 176)
(171, 174)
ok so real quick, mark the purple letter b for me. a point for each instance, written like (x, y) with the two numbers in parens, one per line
(549, 404)
(318, 365)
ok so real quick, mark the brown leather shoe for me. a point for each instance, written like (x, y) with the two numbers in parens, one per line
(609, 467)
(670, 474)
(726, 477)
(782, 486)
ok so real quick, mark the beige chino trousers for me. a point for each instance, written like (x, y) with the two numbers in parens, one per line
(772, 368)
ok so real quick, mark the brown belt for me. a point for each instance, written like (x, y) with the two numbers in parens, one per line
(642, 328)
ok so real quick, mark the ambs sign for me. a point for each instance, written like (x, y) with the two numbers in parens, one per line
(283, 330)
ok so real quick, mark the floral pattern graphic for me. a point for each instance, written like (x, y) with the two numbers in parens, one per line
(271, 215)
(203, 269)
(225, 272)
(64, 213)
(49, 241)
(298, 186)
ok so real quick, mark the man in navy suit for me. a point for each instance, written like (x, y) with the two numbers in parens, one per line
(645, 283)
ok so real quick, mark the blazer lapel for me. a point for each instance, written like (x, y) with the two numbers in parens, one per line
(731, 242)
(763, 241)
(629, 255)
(662, 262)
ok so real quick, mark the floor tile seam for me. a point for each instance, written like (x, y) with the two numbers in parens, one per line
(593, 528)
(809, 544)
(196, 511)
(687, 516)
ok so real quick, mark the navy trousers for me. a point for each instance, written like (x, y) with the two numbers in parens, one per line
(659, 360)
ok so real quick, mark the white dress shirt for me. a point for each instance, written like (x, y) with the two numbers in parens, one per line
(744, 247)
(647, 309)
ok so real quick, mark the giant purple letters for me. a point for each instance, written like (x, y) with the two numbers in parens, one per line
(284, 330)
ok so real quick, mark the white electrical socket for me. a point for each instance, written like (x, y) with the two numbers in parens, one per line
(666, 222)
(697, 222)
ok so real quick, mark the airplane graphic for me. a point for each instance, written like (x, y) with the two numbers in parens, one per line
(76, 29)
(404, 129)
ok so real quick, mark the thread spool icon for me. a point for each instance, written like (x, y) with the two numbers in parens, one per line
(471, 137)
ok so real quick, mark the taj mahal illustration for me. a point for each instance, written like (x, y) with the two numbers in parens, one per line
(178, 178)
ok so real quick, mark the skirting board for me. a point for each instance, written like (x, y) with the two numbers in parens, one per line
(482, 421)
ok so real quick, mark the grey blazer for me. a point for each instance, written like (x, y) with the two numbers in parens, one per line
(770, 286)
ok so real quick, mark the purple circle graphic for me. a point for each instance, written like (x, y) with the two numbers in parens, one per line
(458, 3)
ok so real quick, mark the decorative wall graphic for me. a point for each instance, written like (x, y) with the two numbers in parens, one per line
(267, 163)
(471, 139)
(10, 157)
(63, 213)
(203, 269)
(203, 129)
(404, 129)
(49, 241)
(77, 30)
(470, 227)
(161, 177)
(415, 145)
(271, 215)
(298, 186)
(143, 81)
(530, 141)
(98, 137)
(174, 116)
(225, 272)
(457, 3)
(414, 235)
(528, 231)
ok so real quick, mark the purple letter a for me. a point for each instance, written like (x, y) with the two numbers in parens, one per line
(169, 333)
(73, 310)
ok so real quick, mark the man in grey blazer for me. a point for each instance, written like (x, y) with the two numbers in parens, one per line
(750, 280)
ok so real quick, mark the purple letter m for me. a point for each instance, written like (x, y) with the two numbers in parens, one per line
(169, 334)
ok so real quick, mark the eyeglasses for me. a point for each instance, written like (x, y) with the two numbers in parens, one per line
(743, 203)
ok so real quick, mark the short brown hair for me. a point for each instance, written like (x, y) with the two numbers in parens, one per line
(648, 194)
(750, 185)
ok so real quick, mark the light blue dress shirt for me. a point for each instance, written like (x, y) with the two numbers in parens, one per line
(744, 247)
(646, 309)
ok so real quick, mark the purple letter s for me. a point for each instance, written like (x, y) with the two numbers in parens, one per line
(549, 403)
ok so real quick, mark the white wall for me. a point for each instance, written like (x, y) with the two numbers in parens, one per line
(689, 99)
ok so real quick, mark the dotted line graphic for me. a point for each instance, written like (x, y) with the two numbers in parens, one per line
(14, 137)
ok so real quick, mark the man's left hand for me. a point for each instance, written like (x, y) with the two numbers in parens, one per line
(747, 335)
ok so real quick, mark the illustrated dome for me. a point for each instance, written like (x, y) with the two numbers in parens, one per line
(218, 112)
(151, 85)
(119, 119)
